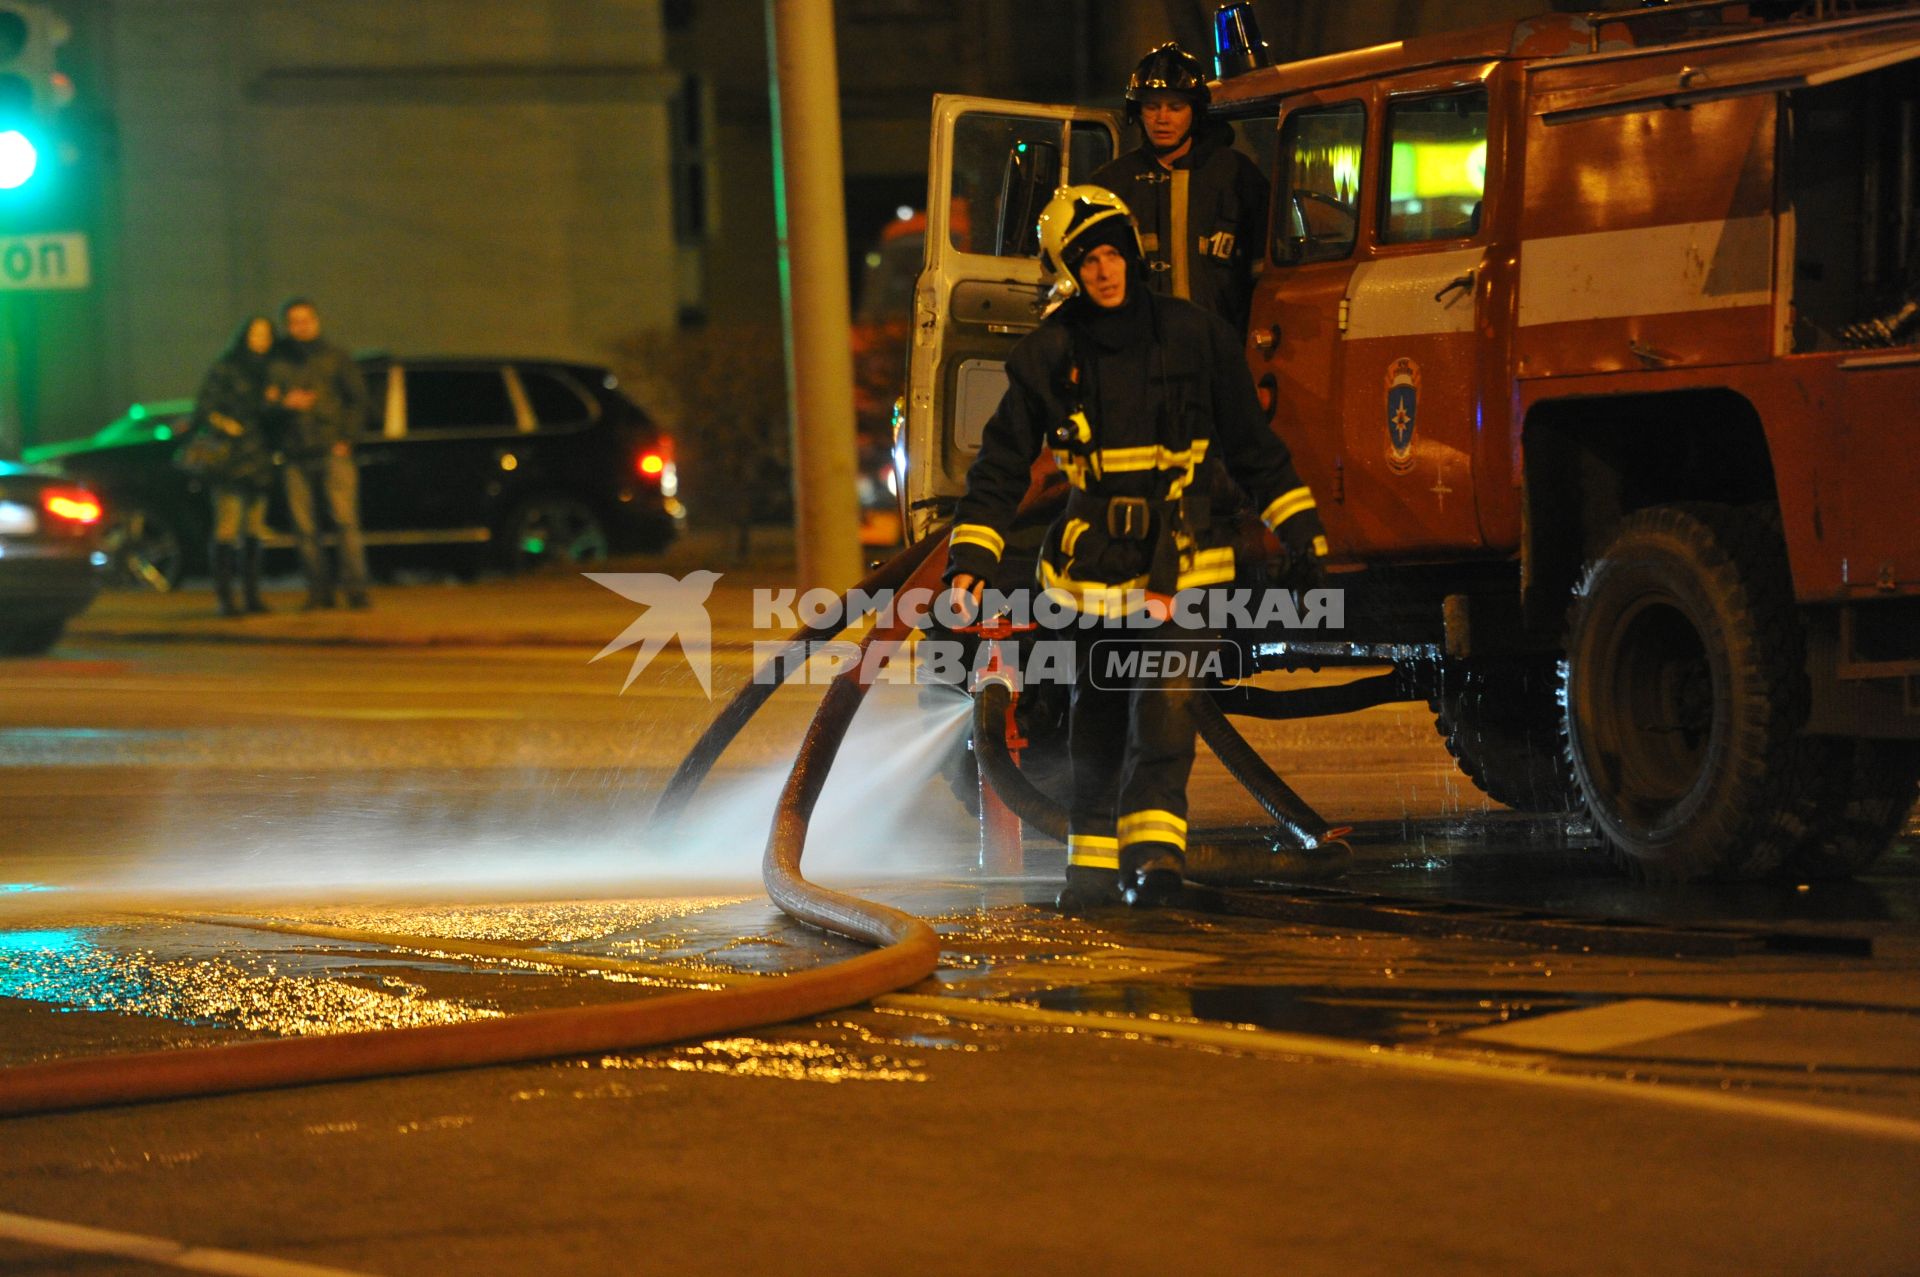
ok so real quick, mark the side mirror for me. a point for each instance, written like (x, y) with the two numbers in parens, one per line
(1032, 173)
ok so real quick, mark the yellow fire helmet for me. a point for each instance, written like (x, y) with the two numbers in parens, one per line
(1077, 220)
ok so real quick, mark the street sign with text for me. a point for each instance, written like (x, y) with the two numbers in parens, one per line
(35, 263)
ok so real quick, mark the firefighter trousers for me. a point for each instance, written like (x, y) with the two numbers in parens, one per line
(1130, 738)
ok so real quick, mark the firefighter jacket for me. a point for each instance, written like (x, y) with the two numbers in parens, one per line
(1135, 403)
(1221, 224)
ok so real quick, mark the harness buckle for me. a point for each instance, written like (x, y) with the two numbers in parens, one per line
(1128, 518)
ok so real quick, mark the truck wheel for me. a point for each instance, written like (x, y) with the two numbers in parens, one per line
(1502, 723)
(1685, 689)
(1860, 804)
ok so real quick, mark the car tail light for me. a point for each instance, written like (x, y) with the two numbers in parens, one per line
(656, 457)
(655, 465)
(75, 505)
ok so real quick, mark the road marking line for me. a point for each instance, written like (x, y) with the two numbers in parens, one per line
(1606, 1028)
(55, 1235)
(1308, 1046)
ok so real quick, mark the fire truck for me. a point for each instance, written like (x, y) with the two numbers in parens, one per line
(1595, 337)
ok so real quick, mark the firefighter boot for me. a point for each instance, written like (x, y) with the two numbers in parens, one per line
(223, 556)
(1151, 874)
(1093, 873)
(250, 554)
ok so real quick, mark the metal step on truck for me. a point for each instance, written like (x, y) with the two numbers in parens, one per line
(1596, 338)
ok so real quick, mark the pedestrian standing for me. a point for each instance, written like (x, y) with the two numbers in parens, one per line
(322, 402)
(230, 429)
(1201, 205)
(1137, 395)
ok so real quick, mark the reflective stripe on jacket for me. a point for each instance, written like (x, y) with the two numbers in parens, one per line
(1153, 414)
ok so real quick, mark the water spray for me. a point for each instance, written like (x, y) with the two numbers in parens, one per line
(906, 948)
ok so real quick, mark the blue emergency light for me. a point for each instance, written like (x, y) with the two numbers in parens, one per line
(1237, 46)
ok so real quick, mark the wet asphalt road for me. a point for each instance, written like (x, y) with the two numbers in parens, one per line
(1097, 1093)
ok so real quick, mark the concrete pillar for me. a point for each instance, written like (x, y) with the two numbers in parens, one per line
(810, 218)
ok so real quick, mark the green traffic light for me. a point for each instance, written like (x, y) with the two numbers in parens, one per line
(19, 158)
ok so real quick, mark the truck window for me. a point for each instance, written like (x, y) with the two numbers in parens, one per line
(988, 150)
(1850, 176)
(1438, 167)
(1320, 152)
(1091, 148)
(1258, 138)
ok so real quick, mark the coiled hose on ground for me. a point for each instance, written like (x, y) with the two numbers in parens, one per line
(908, 953)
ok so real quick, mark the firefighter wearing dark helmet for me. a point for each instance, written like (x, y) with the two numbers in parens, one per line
(1138, 396)
(1200, 204)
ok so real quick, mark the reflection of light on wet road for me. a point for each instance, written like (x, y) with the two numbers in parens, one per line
(70, 969)
(561, 922)
(74, 746)
(845, 1052)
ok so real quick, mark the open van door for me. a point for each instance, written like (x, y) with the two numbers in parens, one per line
(992, 168)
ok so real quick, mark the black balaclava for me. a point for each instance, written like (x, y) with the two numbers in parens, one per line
(1131, 322)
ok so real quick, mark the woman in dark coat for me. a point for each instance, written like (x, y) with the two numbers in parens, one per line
(232, 405)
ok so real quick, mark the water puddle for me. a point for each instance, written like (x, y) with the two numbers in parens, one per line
(842, 1051)
(71, 968)
(1382, 1015)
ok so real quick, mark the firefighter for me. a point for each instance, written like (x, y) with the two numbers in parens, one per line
(1200, 204)
(1137, 395)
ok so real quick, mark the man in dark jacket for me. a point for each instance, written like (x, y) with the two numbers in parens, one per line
(323, 405)
(1137, 395)
(1201, 205)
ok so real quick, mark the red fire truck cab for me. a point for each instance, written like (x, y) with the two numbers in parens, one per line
(1595, 338)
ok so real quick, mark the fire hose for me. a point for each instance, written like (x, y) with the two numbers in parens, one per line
(907, 952)
(906, 948)
(1298, 824)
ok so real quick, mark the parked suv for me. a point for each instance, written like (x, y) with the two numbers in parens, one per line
(523, 462)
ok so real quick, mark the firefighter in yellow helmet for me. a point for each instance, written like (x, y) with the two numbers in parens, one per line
(1138, 396)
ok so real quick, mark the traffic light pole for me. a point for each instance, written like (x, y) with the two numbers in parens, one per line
(810, 208)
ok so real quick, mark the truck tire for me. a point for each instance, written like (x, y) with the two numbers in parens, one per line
(1686, 689)
(1862, 801)
(1501, 720)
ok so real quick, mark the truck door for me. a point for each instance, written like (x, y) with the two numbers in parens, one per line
(1295, 347)
(1409, 370)
(993, 167)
